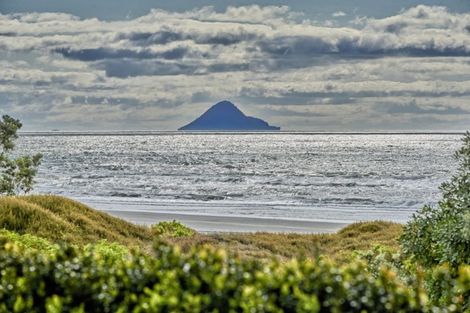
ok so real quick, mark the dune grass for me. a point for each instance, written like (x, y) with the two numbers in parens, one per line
(338, 246)
(58, 219)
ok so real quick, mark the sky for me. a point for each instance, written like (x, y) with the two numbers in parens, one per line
(349, 65)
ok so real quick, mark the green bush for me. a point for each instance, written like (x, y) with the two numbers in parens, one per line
(439, 235)
(438, 238)
(383, 257)
(204, 280)
(27, 242)
(172, 229)
(445, 285)
(108, 250)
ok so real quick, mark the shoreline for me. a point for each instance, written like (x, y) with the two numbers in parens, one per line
(208, 217)
(221, 217)
(229, 224)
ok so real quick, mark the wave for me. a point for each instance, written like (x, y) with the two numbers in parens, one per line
(125, 195)
(199, 197)
(411, 177)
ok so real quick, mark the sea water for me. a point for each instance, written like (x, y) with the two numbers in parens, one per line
(335, 177)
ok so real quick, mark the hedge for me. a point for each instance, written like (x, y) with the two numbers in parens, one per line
(70, 279)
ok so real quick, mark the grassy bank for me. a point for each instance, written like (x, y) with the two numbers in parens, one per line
(337, 246)
(59, 219)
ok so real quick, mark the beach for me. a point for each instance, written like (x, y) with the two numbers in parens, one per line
(213, 223)
(148, 213)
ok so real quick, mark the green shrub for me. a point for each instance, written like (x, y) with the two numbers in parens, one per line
(383, 257)
(27, 242)
(204, 280)
(172, 229)
(438, 238)
(439, 235)
(108, 250)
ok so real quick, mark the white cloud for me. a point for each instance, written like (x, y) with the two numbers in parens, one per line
(339, 14)
(166, 63)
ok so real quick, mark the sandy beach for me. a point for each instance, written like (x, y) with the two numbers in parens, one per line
(147, 214)
(211, 223)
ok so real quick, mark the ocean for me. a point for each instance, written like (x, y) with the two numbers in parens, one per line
(301, 176)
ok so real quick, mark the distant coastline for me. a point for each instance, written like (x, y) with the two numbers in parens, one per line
(179, 133)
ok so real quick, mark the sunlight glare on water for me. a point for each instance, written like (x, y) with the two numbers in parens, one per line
(273, 175)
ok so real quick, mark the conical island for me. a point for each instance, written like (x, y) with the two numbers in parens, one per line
(225, 116)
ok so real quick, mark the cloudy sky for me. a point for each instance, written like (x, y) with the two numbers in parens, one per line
(312, 65)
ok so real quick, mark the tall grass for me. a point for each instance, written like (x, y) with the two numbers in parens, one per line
(338, 246)
(60, 219)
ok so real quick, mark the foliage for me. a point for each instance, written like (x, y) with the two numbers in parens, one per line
(27, 242)
(446, 285)
(383, 257)
(204, 280)
(59, 219)
(439, 235)
(16, 174)
(172, 229)
(108, 250)
(337, 246)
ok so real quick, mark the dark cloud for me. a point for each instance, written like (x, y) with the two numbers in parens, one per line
(147, 38)
(133, 102)
(228, 67)
(304, 48)
(132, 68)
(226, 38)
(108, 53)
(166, 36)
(292, 46)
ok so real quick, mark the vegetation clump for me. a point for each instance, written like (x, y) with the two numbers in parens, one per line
(172, 229)
(441, 235)
(338, 246)
(438, 238)
(59, 219)
(203, 280)
(27, 242)
(16, 174)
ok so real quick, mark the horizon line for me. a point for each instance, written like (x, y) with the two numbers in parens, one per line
(230, 132)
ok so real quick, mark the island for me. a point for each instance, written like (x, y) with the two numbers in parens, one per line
(225, 116)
